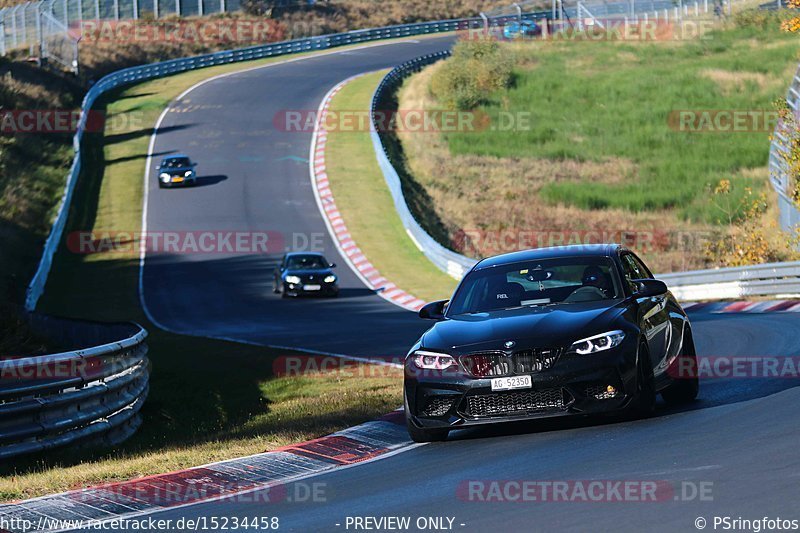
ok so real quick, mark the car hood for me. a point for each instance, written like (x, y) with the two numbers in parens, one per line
(529, 327)
(174, 171)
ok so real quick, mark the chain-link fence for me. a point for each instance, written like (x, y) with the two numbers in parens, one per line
(31, 24)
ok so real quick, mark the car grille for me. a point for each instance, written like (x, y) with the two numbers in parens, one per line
(495, 364)
(535, 360)
(487, 365)
(511, 403)
(437, 406)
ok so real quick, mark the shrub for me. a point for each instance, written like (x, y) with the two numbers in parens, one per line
(477, 69)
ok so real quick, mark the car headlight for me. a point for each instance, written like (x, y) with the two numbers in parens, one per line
(432, 360)
(293, 279)
(330, 279)
(598, 343)
(187, 173)
(164, 176)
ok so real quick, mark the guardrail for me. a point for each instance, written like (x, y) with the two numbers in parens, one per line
(783, 183)
(81, 396)
(717, 284)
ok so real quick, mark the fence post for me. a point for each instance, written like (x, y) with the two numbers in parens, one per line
(222, 6)
(39, 36)
(14, 38)
(97, 9)
(24, 23)
(155, 8)
(135, 9)
(178, 7)
(485, 22)
(2, 33)
(116, 9)
(200, 7)
(519, 11)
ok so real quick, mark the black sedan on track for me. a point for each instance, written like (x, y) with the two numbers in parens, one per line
(302, 273)
(573, 330)
(176, 170)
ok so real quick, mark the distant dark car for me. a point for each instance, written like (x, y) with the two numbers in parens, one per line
(305, 273)
(521, 29)
(176, 170)
(572, 330)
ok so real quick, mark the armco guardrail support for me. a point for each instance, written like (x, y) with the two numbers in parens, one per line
(88, 395)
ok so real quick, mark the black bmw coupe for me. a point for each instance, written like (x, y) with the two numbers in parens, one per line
(572, 330)
(301, 273)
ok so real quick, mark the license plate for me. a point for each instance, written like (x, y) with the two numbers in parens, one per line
(177, 180)
(312, 287)
(511, 383)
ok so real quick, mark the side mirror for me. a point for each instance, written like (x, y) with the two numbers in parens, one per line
(332, 265)
(433, 310)
(194, 165)
(650, 287)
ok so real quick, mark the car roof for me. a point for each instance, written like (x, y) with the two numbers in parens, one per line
(576, 250)
(176, 156)
(292, 254)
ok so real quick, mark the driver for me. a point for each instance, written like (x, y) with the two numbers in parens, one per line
(593, 277)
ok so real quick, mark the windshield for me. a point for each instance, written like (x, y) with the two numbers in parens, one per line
(533, 283)
(180, 162)
(306, 262)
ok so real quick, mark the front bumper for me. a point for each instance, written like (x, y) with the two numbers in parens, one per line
(574, 385)
(300, 289)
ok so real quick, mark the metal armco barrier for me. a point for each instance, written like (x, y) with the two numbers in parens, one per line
(783, 183)
(717, 284)
(83, 396)
(454, 264)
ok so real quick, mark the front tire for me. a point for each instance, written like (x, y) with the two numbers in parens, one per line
(643, 404)
(685, 383)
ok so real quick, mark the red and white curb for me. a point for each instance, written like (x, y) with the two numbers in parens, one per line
(337, 227)
(768, 306)
(260, 479)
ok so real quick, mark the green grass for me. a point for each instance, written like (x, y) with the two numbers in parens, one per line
(597, 100)
(209, 400)
(366, 204)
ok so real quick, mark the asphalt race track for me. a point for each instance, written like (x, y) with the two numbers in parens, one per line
(740, 438)
(251, 180)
